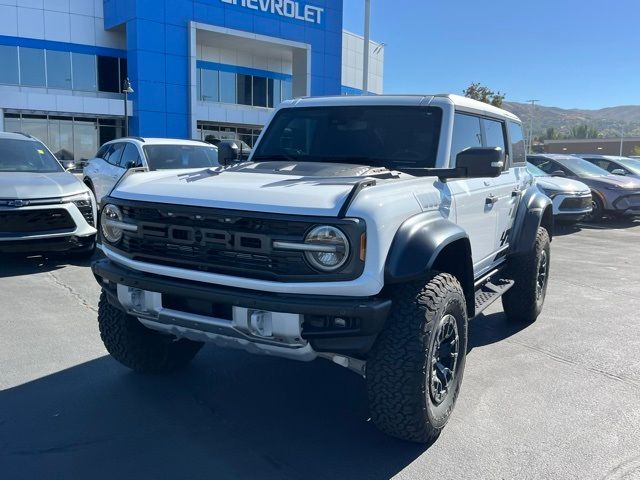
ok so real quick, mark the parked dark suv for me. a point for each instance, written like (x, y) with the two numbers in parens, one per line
(612, 194)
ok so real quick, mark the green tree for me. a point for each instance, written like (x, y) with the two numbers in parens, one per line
(636, 151)
(484, 94)
(583, 131)
(552, 134)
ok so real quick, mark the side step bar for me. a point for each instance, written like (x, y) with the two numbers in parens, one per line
(490, 291)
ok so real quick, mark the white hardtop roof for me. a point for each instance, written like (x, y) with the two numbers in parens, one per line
(463, 103)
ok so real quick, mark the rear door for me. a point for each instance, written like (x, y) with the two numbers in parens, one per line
(475, 211)
(112, 170)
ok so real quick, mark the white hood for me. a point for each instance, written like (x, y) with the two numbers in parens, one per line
(562, 184)
(28, 186)
(242, 189)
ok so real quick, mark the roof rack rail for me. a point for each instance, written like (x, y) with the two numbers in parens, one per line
(24, 134)
(131, 137)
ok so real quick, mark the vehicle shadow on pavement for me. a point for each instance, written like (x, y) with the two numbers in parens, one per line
(492, 328)
(229, 415)
(18, 265)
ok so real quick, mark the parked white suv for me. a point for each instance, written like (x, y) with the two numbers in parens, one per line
(364, 230)
(114, 158)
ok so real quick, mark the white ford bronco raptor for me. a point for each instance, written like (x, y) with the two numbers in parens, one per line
(364, 230)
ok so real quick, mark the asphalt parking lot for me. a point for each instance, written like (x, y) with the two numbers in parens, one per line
(556, 399)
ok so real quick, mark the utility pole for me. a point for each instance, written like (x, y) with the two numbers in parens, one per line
(367, 36)
(533, 110)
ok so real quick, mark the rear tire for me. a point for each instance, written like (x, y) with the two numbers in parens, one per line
(530, 272)
(414, 371)
(139, 348)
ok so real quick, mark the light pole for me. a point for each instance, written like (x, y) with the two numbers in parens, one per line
(621, 138)
(367, 36)
(533, 110)
(126, 89)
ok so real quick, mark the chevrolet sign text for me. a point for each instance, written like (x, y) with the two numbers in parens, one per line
(284, 8)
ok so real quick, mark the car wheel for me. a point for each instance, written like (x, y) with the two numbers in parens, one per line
(597, 210)
(139, 348)
(414, 371)
(524, 301)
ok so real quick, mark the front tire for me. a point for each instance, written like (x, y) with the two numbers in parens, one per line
(530, 272)
(139, 348)
(414, 371)
(597, 210)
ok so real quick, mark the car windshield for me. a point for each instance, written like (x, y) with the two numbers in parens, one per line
(26, 156)
(535, 171)
(582, 168)
(630, 164)
(172, 157)
(389, 136)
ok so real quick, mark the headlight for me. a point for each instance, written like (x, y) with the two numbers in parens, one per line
(332, 248)
(621, 187)
(81, 200)
(110, 221)
(551, 193)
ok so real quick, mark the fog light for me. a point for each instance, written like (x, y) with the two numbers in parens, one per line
(340, 322)
(261, 323)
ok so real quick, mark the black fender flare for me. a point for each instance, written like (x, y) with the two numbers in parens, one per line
(535, 210)
(417, 244)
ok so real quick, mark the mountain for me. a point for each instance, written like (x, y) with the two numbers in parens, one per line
(608, 121)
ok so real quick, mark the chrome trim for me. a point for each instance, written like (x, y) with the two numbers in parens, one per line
(127, 227)
(305, 247)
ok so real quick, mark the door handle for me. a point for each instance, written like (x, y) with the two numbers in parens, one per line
(516, 192)
(491, 200)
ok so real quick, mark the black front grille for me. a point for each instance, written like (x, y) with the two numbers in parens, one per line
(225, 242)
(576, 203)
(19, 222)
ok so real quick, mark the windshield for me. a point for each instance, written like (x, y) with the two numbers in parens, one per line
(630, 164)
(172, 157)
(535, 171)
(26, 156)
(582, 168)
(390, 136)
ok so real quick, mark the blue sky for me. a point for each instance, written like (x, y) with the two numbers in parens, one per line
(566, 53)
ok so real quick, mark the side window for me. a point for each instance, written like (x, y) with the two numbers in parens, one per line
(518, 150)
(467, 133)
(103, 152)
(130, 156)
(549, 166)
(113, 157)
(494, 136)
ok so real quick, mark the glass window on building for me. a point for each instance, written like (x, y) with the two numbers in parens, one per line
(61, 137)
(9, 73)
(209, 88)
(287, 89)
(108, 74)
(244, 89)
(227, 87)
(12, 123)
(124, 73)
(259, 92)
(274, 92)
(109, 129)
(32, 68)
(85, 138)
(84, 72)
(58, 69)
(36, 126)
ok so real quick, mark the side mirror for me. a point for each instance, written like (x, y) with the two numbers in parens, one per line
(481, 162)
(68, 165)
(130, 164)
(558, 173)
(226, 153)
(618, 171)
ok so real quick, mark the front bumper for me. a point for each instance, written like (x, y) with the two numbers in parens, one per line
(571, 207)
(184, 308)
(79, 235)
(628, 204)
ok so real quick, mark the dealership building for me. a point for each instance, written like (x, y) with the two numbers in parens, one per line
(197, 67)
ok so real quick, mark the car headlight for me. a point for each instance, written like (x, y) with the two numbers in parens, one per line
(82, 200)
(620, 187)
(551, 193)
(111, 223)
(331, 248)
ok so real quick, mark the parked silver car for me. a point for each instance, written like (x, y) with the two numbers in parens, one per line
(612, 194)
(615, 165)
(571, 198)
(42, 207)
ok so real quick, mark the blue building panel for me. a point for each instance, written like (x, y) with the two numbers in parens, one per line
(158, 48)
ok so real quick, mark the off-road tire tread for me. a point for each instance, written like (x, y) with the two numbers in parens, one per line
(394, 390)
(139, 348)
(519, 302)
